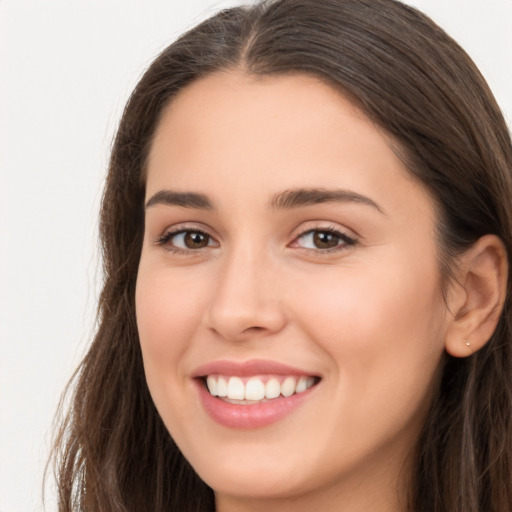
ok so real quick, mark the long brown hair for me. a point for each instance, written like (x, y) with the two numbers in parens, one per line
(113, 452)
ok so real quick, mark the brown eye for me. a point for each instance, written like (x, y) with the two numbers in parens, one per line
(186, 240)
(325, 239)
(195, 240)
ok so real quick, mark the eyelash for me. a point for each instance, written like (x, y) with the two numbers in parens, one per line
(166, 238)
(344, 241)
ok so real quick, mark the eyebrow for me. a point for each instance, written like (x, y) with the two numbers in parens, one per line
(288, 199)
(296, 198)
(183, 199)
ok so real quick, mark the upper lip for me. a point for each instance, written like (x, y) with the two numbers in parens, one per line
(248, 368)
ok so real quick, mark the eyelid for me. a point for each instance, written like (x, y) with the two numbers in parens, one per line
(348, 240)
(188, 226)
(347, 237)
(170, 232)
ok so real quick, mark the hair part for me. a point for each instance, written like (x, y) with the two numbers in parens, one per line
(113, 452)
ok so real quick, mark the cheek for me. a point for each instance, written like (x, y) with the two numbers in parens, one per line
(168, 311)
(384, 340)
(387, 300)
(383, 330)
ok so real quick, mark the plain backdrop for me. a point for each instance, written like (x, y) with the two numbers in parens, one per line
(67, 68)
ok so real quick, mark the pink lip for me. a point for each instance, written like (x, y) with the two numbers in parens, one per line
(248, 416)
(247, 368)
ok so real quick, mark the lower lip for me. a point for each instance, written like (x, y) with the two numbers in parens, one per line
(250, 416)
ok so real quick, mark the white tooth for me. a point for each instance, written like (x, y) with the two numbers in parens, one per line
(236, 389)
(309, 382)
(272, 388)
(254, 389)
(288, 386)
(222, 387)
(211, 383)
(301, 385)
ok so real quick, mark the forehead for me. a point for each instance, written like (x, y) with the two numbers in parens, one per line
(233, 99)
(233, 130)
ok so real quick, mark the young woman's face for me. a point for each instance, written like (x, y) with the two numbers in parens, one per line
(289, 261)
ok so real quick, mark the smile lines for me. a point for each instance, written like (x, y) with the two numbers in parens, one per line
(256, 389)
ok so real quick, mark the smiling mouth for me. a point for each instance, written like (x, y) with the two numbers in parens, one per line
(257, 389)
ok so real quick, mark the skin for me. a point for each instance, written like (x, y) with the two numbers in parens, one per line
(368, 318)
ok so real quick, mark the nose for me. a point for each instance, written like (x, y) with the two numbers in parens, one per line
(246, 303)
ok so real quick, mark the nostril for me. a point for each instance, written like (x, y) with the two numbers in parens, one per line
(242, 319)
(254, 329)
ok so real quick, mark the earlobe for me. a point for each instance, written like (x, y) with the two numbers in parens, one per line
(477, 297)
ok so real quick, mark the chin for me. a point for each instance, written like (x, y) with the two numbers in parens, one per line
(255, 482)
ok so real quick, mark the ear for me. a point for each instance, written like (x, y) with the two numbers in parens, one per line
(477, 296)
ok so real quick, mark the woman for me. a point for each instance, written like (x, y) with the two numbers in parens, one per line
(306, 230)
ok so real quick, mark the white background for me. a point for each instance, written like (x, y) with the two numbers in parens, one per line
(67, 68)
